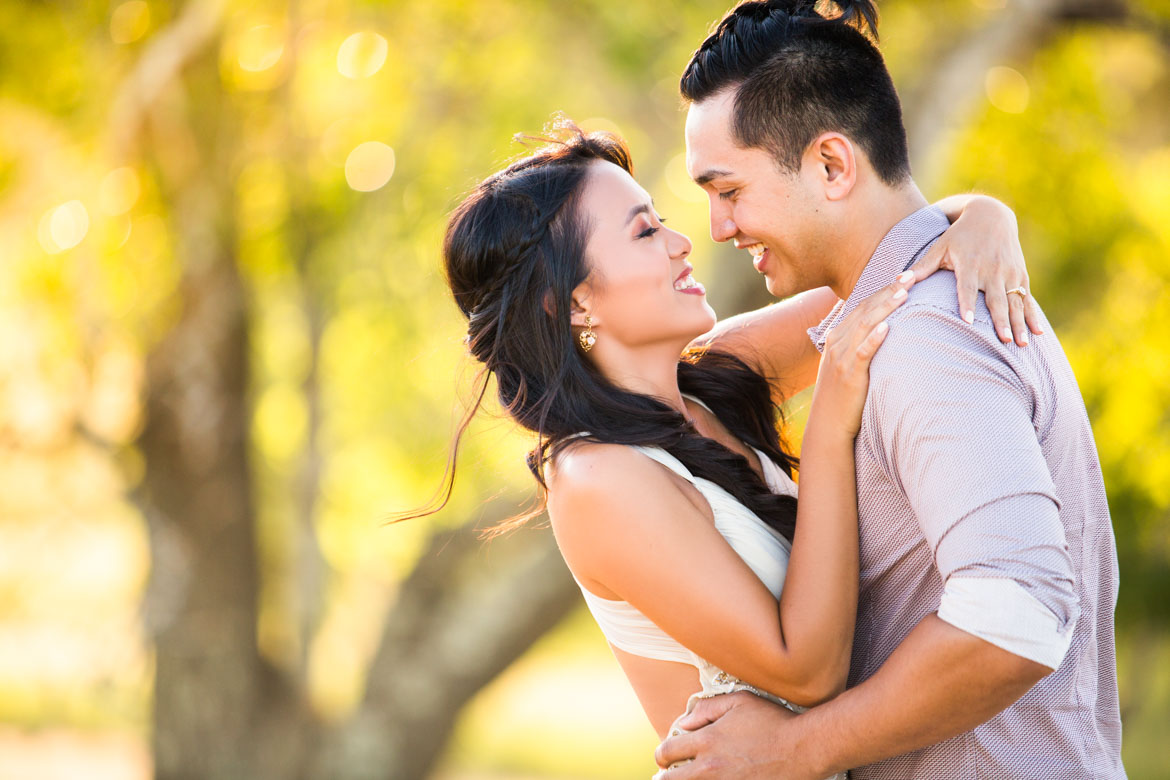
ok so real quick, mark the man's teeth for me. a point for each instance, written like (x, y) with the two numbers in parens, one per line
(686, 283)
(756, 249)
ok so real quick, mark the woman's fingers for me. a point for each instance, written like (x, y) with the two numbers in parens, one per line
(1031, 313)
(968, 289)
(934, 259)
(869, 346)
(860, 329)
(1016, 303)
(996, 299)
(877, 307)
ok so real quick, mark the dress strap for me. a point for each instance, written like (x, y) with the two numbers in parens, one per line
(699, 402)
(668, 460)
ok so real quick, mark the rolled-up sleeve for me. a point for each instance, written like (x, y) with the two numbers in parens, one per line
(955, 428)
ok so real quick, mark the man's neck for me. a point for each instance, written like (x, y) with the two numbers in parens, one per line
(883, 209)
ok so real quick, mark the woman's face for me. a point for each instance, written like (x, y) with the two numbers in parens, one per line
(640, 291)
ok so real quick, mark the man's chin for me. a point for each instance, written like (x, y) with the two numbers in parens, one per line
(781, 288)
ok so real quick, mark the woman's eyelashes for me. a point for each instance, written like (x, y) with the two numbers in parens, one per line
(651, 230)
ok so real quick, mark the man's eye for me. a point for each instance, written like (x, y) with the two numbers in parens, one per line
(728, 195)
(648, 232)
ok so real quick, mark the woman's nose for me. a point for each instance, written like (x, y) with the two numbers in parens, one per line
(680, 245)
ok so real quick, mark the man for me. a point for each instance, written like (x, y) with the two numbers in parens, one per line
(984, 642)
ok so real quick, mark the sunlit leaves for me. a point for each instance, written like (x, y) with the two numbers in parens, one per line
(358, 129)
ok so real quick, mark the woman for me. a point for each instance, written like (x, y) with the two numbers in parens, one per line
(669, 491)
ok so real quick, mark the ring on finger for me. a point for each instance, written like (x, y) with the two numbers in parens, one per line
(1020, 291)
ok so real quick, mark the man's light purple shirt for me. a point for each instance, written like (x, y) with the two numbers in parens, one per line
(976, 459)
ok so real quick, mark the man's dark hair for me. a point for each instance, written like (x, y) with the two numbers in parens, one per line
(798, 74)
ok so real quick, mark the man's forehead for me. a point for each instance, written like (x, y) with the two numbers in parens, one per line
(708, 137)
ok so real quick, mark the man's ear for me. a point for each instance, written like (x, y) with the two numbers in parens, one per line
(832, 159)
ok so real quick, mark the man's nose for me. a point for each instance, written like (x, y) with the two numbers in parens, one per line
(722, 225)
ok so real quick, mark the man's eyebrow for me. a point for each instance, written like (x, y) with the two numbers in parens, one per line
(641, 208)
(708, 176)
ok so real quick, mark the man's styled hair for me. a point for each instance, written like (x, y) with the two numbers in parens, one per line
(798, 74)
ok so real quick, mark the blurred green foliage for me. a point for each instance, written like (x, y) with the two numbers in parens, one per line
(345, 287)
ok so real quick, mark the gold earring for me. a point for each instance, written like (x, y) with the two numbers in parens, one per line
(587, 338)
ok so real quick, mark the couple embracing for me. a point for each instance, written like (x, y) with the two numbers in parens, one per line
(939, 602)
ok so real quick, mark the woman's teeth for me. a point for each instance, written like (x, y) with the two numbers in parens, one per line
(686, 283)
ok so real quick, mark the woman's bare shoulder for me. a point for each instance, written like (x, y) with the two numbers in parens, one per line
(607, 504)
(588, 470)
(596, 486)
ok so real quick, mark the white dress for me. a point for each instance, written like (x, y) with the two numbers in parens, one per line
(762, 548)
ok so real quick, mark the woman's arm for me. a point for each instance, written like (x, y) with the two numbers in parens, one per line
(774, 340)
(632, 530)
(982, 247)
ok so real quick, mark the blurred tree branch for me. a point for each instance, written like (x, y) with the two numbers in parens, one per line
(164, 59)
(466, 612)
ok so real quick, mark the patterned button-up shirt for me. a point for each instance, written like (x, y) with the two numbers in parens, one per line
(975, 459)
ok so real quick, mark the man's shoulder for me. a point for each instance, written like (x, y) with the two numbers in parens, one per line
(938, 291)
(928, 323)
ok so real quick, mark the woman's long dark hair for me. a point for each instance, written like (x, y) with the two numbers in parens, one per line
(514, 253)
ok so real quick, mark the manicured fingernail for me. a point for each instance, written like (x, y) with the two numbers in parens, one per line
(969, 317)
(882, 327)
(1024, 340)
(905, 276)
(900, 293)
(1006, 335)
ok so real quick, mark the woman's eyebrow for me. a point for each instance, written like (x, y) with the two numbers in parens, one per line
(641, 208)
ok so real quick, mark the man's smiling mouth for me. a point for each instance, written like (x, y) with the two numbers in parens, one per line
(756, 248)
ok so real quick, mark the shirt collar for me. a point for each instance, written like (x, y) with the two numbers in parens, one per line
(896, 252)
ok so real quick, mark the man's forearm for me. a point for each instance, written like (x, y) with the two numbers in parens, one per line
(940, 682)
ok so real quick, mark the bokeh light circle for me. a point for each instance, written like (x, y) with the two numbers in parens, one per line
(63, 227)
(369, 166)
(1007, 89)
(361, 55)
(129, 21)
(260, 48)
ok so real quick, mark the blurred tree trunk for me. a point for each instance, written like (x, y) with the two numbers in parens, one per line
(220, 710)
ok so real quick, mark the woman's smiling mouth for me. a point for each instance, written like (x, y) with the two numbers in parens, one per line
(686, 283)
